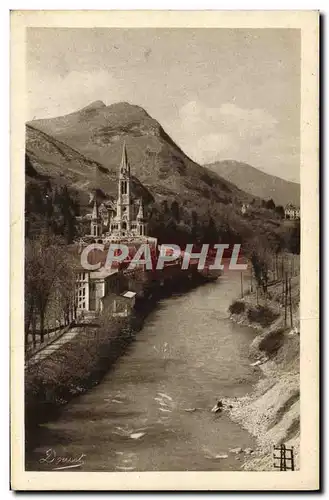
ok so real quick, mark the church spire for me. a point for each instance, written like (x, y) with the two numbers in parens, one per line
(124, 166)
(140, 215)
(95, 214)
(95, 223)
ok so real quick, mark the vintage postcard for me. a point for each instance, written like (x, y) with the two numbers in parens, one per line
(165, 235)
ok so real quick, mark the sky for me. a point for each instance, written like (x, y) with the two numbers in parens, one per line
(219, 93)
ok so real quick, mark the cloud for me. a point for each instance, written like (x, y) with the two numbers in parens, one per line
(249, 122)
(55, 95)
(228, 119)
(212, 144)
(228, 131)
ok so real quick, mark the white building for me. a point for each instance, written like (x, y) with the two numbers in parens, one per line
(245, 207)
(291, 212)
(93, 286)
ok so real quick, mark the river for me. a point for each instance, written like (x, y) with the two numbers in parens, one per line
(187, 355)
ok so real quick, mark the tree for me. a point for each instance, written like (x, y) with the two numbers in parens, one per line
(280, 211)
(260, 255)
(164, 206)
(175, 211)
(270, 205)
(210, 232)
(292, 238)
(195, 226)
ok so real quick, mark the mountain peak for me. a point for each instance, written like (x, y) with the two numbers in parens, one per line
(94, 105)
(127, 107)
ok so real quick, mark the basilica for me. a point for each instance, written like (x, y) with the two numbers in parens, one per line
(124, 219)
(120, 222)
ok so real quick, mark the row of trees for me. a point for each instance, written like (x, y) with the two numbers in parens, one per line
(49, 285)
(50, 224)
(172, 222)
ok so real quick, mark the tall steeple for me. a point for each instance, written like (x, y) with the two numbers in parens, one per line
(124, 214)
(95, 214)
(140, 214)
(125, 224)
(141, 226)
(95, 223)
(124, 166)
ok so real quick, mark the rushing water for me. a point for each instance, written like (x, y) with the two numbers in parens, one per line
(188, 355)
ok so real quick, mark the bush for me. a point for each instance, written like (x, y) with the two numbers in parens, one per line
(272, 342)
(262, 315)
(237, 307)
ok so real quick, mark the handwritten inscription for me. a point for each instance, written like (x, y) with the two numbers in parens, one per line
(62, 462)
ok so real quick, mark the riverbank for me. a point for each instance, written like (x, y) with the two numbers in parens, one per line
(271, 411)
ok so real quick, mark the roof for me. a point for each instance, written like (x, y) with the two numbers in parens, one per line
(290, 206)
(128, 294)
(102, 273)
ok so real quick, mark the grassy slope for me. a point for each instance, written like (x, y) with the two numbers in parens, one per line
(49, 158)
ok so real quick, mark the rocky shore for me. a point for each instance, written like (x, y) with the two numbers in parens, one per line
(271, 412)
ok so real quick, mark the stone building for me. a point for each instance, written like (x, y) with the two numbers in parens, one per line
(126, 220)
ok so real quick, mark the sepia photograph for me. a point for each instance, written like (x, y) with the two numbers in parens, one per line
(162, 265)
